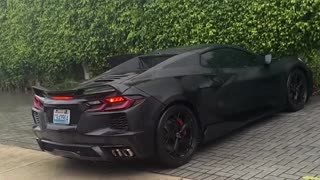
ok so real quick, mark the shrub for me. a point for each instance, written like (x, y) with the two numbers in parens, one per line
(41, 40)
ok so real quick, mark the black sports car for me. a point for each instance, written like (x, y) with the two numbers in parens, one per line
(165, 103)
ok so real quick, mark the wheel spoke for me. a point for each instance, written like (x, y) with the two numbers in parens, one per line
(297, 88)
(186, 142)
(178, 134)
(169, 136)
(178, 116)
(166, 129)
(169, 148)
(176, 144)
(183, 128)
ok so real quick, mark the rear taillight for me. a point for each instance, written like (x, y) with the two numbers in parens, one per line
(115, 103)
(62, 98)
(118, 99)
(118, 103)
(37, 103)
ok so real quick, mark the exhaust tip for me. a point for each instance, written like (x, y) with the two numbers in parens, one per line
(122, 152)
(114, 153)
(127, 152)
(119, 152)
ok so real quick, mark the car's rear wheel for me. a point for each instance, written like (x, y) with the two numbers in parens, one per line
(177, 136)
(297, 88)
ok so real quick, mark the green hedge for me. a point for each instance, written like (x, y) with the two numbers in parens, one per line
(41, 40)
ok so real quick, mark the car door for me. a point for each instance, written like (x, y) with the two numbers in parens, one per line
(215, 99)
(251, 91)
(259, 84)
(244, 84)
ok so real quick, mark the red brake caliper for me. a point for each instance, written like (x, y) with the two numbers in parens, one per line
(181, 123)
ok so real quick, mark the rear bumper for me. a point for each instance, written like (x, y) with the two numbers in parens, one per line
(127, 145)
(93, 137)
(88, 152)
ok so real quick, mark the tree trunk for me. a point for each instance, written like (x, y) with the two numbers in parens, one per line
(86, 73)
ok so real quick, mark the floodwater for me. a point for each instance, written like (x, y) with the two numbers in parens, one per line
(16, 120)
(11, 102)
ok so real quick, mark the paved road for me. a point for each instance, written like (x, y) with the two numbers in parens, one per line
(286, 146)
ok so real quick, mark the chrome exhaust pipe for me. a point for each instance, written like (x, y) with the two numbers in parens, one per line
(122, 152)
(114, 153)
(119, 152)
(127, 152)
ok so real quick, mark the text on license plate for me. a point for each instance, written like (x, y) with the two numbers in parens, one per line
(61, 116)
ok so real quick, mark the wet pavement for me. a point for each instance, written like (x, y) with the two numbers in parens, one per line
(16, 120)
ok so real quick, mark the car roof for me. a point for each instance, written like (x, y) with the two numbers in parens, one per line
(182, 49)
(194, 48)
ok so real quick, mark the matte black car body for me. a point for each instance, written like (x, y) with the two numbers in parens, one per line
(223, 96)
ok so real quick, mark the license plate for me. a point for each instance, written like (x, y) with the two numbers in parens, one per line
(61, 116)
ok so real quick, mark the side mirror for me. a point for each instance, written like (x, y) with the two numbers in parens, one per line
(267, 59)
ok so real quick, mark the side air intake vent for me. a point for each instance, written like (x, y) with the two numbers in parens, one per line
(36, 117)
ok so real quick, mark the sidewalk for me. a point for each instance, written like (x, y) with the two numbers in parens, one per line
(18, 163)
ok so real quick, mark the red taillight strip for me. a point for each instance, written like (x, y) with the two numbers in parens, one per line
(124, 104)
(37, 103)
(117, 99)
(62, 98)
(114, 104)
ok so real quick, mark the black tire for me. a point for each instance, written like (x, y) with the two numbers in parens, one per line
(177, 136)
(297, 90)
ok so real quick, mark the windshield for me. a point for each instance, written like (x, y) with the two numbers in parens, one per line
(140, 64)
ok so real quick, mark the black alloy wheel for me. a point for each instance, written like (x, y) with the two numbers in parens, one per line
(177, 136)
(297, 87)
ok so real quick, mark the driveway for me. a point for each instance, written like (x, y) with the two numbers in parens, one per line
(285, 146)
(24, 164)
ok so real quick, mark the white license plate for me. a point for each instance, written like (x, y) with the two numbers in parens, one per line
(61, 116)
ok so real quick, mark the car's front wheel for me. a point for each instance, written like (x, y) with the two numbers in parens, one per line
(297, 89)
(177, 136)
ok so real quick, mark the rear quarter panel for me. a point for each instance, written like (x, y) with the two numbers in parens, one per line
(181, 89)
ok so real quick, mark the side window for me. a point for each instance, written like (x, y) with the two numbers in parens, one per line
(229, 58)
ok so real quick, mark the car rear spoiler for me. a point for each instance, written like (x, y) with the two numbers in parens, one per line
(42, 92)
(101, 89)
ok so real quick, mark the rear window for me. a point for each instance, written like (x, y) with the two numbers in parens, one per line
(147, 62)
(140, 64)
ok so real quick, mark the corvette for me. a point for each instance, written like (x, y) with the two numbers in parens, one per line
(165, 103)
